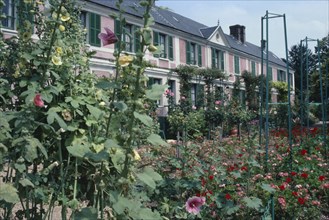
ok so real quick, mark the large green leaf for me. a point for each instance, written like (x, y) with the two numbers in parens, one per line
(86, 214)
(253, 202)
(149, 177)
(268, 188)
(8, 193)
(36, 143)
(96, 112)
(156, 140)
(121, 106)
(156, 91)
(145, 119)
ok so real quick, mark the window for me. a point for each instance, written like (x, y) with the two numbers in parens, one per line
(130, 38)
(9, 10)
(270, 75)
(193, 54)
(253, 68)
(165, 43)
(236, 65)
(217, 57)
(92, 22)
(282, 76)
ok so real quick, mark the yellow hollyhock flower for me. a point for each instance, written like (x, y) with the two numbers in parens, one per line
(125, 60)
(136, 155)
(26, 36)
(65, 17)
(56, 60)
(61, 28)
(59, 50)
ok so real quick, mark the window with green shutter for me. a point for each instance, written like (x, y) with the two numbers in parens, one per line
(253, 68)
(165, 44)
(9, 11)
(236, 65)
(94, 29)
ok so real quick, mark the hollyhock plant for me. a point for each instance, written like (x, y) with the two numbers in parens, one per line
(38, 101)
(108, 37)
(194, 204)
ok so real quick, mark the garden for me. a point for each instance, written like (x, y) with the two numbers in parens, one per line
(77, 146)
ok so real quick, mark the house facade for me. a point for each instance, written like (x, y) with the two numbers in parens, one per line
(182, 41)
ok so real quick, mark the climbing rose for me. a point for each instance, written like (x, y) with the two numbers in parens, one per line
(322, 178)
(38, 101)
(303, 152)
(228, 196)
(301, 201)
(193, 204)
(108, 37)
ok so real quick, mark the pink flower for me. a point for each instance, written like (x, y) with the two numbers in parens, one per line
(38, 101)
(282, 202)
(193, 107)
(183, 98)
(172, 94)
(193, 204)
(315, 203)
(108, 37)
(218, 102)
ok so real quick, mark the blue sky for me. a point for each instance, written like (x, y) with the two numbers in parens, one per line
(303, 18)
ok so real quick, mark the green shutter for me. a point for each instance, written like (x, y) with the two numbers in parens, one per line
(199, 55)
(171, 48)
(222, 60)
(94, 29)
(253, 68)
(270, 74)
(278, 73)
(117, 31)
(155, 41)
(236, 65)
(188, 52)
(137, 43)
(213, 58)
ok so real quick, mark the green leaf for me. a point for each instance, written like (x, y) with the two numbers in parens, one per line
(79, 147)
(268, 188)
(8, 193)
(145, 213)
(156, 91)
(121, 106)
(156, 140)
(86, 214)
(149, 176)
(26, 182)
(35, 142)
(253, 202)
(118, 159)
(236, 174)
(30, 152)
(122, 204)
(107, 85)
(96, 112)
(145, 119)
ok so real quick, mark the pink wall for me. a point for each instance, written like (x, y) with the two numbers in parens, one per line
(182, 49)
(230, 63)
(243, 64)
(275, 74)
(163, 63)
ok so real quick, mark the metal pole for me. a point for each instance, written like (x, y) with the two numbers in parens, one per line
(261, 84)
(289, 96)
(301, 91)
(321, 93)
(307, 91)
(267, 96)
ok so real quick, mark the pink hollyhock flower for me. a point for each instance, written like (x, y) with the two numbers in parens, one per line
(218, 102)
(38, 101)
(193, 204)
(282, 202)
(108, 37)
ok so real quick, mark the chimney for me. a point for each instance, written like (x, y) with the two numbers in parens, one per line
(238, 32)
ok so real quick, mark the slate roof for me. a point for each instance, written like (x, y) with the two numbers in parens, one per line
(176, 21)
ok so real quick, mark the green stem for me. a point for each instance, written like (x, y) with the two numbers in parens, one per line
(63, 212)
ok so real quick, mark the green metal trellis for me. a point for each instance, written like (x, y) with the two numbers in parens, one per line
(267, 103)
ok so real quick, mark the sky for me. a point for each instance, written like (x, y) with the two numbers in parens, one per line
(304, 18)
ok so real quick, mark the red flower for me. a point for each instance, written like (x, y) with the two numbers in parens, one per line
(38, 101)
(203, 182)
(108, 38)
(230, 168)
(244, 168)
(288, 180)
(294, 193)
(282, 187)
(211, 177)
(304, 175)
(303, 152)
(293, 173)
(301, 201)
(322, 178)
(228, 196)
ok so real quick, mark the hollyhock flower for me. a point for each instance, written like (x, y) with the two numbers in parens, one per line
(301, 200)
(125, 60)
(56, 60)
(304, 175)
(228, 196)
(282, 202)
(322, 178)
(108, 37)
(193, 204)
(303, 152)
(38, 101)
